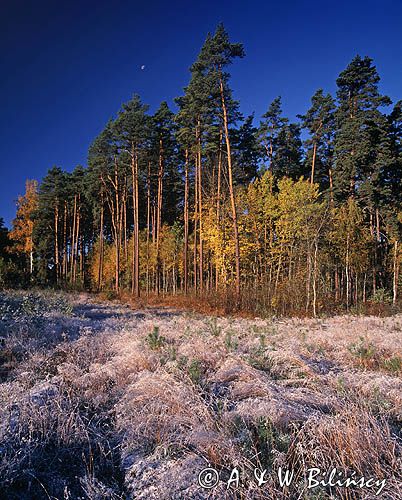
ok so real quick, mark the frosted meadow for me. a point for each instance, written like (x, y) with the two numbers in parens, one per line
(95, 402)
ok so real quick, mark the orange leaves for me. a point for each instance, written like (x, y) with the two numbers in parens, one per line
(23, 224)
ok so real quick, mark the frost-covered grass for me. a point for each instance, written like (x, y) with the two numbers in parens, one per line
(101, 401)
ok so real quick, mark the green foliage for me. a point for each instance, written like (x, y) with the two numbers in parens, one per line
(32, 304)
(280, 142)
(213, 327)
(364, 350)
(382, 296)
(258, 357)
(231, 341)
(392, 365)
(155, 340)
(358, 120)
(31, 309)
(11, 275)
(370, 357)
(261, 440)
(4, 239)
(320, 123)
(195, 371)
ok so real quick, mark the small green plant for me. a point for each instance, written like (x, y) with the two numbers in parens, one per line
(392, 365)
(263, 343)
(259, 439)
(341, 385)
(111, 295)
(261, 361)
(257, 357)
(231, 342)
(155, 340)
(317, 349)
(302, 335)
(195, 371)
(170, 354)
(182, 362)
(378, 403)
(363, 350)
(214, 329)
(269, 437)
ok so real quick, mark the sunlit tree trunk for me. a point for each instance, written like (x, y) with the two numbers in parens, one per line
(315, 279)
(396, 273)
(137, 235)
(75, 259)
(56, 240)
(64, 243)
(73, 239)
(100, 265)
(148, 219)
(231, 193)
(195, 224)
(135, 281)
(159, 215)
(218, 199)
(201, 252)
(185, 263)
(313, 163)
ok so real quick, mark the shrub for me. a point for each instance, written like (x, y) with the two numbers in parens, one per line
(365, 351)
(195, 371)
(392, 365)
(231, 342)
(155, 340)
(214, 329)
(382, 296)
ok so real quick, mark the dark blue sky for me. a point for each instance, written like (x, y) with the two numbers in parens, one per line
(66, 67)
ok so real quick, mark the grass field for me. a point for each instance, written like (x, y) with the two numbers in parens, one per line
(99, 401)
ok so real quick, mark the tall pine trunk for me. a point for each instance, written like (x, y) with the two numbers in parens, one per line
(218, 200)
(231, 193)
(185, 263)
(396, 273)
(159, 215)
(201, 252)
(100, 265)
(56, 240)
(148, 219)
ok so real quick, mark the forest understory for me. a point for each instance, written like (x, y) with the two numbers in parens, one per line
(101, 400)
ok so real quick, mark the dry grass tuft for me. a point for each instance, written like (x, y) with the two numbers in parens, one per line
(158, 410)
(352, 439)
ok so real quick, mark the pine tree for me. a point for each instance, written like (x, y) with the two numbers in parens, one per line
(184, 138)
(268, 132)
(246, 151)
(392, 176)
(358, 112)
(107, 181)
(4, 240)
(392, 201)
(132, 129)
(319, 121)
(288, 159)
(48, 224)
(216, 54)
(281, 143)
(163, 145)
